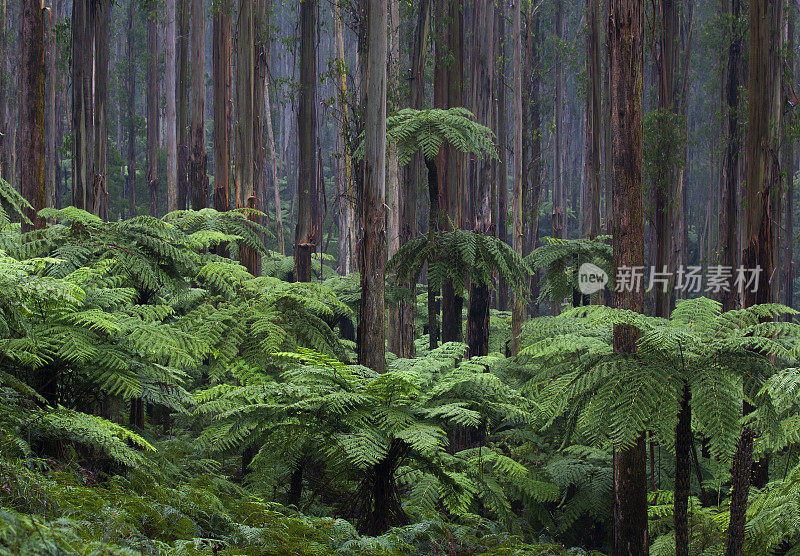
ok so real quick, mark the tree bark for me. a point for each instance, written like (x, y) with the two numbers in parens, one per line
(222, 51)
(532, 145)
(372, 317)
(727, 234)
(170, 66)
(501, 182)
(763, 177)
(594, 97)
(394, 195)
(683, 446)
(51, 121)
(482, 70)
(305, 235)
(152, 111)
(243, 130)
(184, 195)
(30, 139)
(453, 301)
(82, 119)
(130, 178)
(198, 178)
(413, 171)
(625, 42)
(518, 236)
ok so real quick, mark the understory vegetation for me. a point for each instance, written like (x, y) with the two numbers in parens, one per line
(156, 398)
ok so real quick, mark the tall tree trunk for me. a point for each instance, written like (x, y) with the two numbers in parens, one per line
(413, 171)
(170, 67)
(625, 42)
(198, 178)
(501, 182)
(788, 236)
(559, 217)
(51, 122)
(532, 145)
(273, 164)
(5, 145)
(394, 196)
(243, 128)
(183, 105)
(763, 177)
(152, 111)
(728, 215)
(305, 235)
(664, 190)
(101, 12)
(372, 317)
(345, 201)
(82, 120)
(260, 50)
(452, 301)
(222, 51)
(518, 236)
(482, 71)
(130, 178)
(591, 225)
(31, 87)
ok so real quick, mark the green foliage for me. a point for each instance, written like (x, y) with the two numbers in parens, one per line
(560, 260)
(613, 396)
(412, 130)
(458, 255)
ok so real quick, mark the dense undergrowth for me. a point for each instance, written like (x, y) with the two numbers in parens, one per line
(156, 398)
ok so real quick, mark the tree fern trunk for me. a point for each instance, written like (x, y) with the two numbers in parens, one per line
(740, 487)
(478, 320)
(683, 441)
(433, 195)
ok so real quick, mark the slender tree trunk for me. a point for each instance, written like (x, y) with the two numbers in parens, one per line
(5, 145)
(594, 96)
(532, 145)
(305, 234)
(625, 42)
(372, 317)
(51, 122)
(482, 71)
(273, 157)
(82, 119)
(433, 305)
(728, 216)
(183, 105)
(518, 236)
(221, 58)
(559, 216)
(259, 90)
(683, 469)
(152, 111)
(788, 236)
(198, 178)
(502, 142)
(413, 170)
(243, 130)
(346, 197)
(453, 301)
(101, 12)
(763, 177)
(664, 190)
(170, 67)
(130, 178)
(394, 196)
(31, 87)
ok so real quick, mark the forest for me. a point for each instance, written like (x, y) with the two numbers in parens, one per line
(447, 277)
